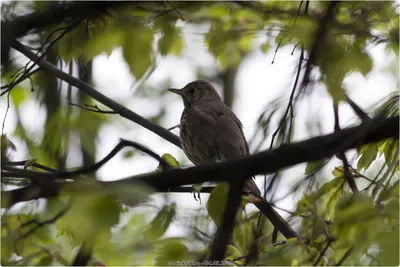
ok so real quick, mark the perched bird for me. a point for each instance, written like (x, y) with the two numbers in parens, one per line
(209, 130)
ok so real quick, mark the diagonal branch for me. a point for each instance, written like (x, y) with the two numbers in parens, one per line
(121, 110)
(358, 110)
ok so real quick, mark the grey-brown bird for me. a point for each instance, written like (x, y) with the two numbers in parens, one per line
(209, 130)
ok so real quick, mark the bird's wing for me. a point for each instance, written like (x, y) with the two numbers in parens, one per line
(202, 139)
(232, 143)
(215, 134)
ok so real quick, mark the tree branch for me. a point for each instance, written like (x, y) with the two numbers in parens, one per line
(318, 40)
(93, 108)
(91, 168)
(277, 221)
(225, 230)
(347, 174)
(121, 110)
(34, 164)
(347, 254)
(84, 254)
(358, 110)
(288, 155)
(40, 224)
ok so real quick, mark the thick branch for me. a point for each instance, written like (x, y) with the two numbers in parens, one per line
(121, 110)
(288, 155)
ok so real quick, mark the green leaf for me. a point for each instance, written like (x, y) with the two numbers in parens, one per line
(216, 202)
(137, 50)
(161, 222)
(92, 212)
(356, 220)
(103, 39)
(170, 41)
(364, 62)
(232, 253)
(319, 199)
(18, 96)
(265, 46)
(313, 166)
(197, 187)
(389, 150)
(368, 154)
(172, 252)
(302, 32)
(338, 171)
(72, 44)
(171, 161)
(389, 192)
(228, 45)
(243, 236)
(129, 154)
(336, 90)
(389, 248)
(218, 11)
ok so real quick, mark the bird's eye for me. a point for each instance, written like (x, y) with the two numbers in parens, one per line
(191, 90)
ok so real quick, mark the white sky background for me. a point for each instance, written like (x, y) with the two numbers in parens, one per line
(257, 83)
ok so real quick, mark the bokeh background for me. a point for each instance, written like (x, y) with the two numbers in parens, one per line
(261, 81)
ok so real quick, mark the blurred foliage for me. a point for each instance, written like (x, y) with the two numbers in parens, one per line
(121, 224)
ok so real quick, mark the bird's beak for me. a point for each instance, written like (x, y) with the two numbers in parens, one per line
(176, 91)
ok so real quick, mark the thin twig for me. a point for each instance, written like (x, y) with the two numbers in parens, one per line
(40, 224)
(120, 109)
(94, 108)
(347, 174)
(289, 106)
(358, 110)
(347, 254)
(276, 50)
(26, 73)
(173, 127)
(176, 10)
(5, 115)
(23, 162)
(323, 251)
(91, 168)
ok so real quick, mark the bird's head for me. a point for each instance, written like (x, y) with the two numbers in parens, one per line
(196, 92)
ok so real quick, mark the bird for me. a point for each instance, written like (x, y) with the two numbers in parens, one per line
(209, 130)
